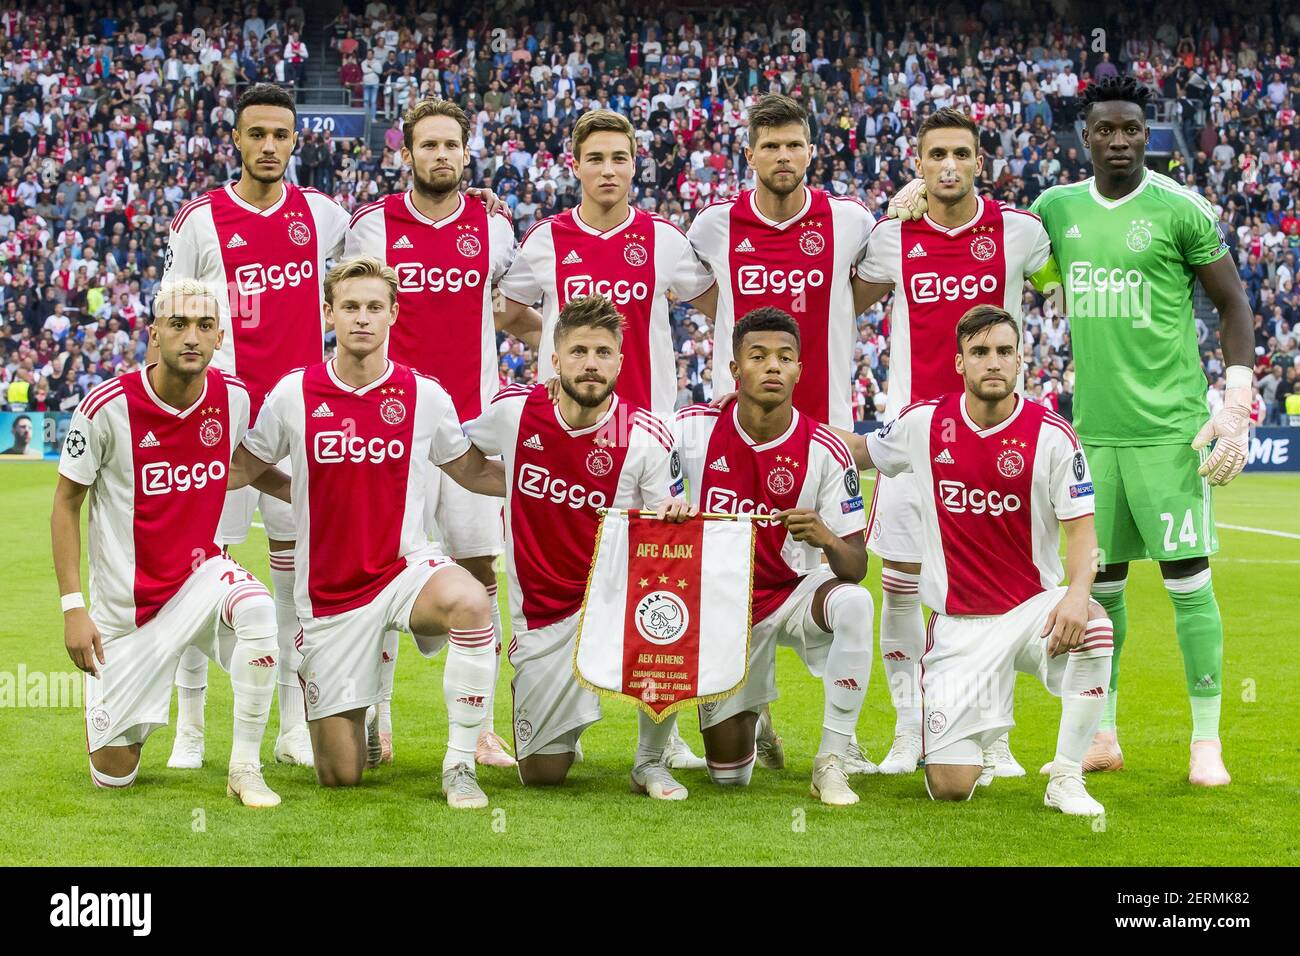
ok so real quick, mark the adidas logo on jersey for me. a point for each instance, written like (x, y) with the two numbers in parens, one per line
(534, 443)
(148, 441)
(720, 464)
(917, 252)
(745, 245)
(943, 458)
(236, 241)
(1073, 232)
(322, 411)
(403, 243)
(572, 258)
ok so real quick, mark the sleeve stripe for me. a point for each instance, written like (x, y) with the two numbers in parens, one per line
(511, 391)
(237, 382)
(431, 378)
(183, 213)
(1023, 212)
(690, 411)
(364, 210)
(653, 433)
(534, 227)
(1069, 432)
(652, 424)
(100, 400)
(840, 454)
(908, 408)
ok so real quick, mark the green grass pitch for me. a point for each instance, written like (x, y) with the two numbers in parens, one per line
(51, 814)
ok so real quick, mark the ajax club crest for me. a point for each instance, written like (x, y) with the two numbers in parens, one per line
(1010, 463)
(599, 462)
(812, 243)
(983, 248)
(392, 411)
(780, 480)
(634, 254)
(468, 246)
(661, 617)
(1139, 235)
(210, 431)
(299, 233)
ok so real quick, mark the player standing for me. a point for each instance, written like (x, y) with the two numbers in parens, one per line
(591, 450)
(1131, 245)
(448, 254)
(1001, 476)
(362, 433)
(155, 446)
(787, 245)
(266, 242)
(606, 247)
(762, 456)
(967, 250)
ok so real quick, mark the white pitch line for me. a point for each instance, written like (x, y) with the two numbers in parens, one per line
(1276, 534)
(258, 524)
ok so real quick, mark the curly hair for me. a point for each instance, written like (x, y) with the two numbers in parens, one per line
(1115, 89)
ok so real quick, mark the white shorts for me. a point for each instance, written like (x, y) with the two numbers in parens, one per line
(466, 525)
(342, 653)
(237, 515)
(968, 676)
(132, 697)
(894, 524)
(790, 625)
(551, 709)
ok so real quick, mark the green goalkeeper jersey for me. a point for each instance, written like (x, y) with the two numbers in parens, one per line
(1127, 267)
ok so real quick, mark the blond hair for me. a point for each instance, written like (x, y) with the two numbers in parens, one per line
(360, 267)
(426, 108)
(182, 287)
(600, 121)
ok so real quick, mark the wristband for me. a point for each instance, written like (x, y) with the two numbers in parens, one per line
(1239, 376)
(73, 600)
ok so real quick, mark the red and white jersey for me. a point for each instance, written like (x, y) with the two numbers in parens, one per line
(806, 467)
(556, 478)
(361, 461)
(272, 263)
(803, 266)
(158, 483)
(939, 275)
(635, 265)
(992, 499)
(445, 273)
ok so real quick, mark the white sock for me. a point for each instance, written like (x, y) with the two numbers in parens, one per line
(292, 710)
(902, 642)
(102, 779)
(652, 738)
(488, 723)
(735, 774)
(387, 673)
(849, 613)
(1083, 692)
(251, 613)
(191, 691)
(465, 686)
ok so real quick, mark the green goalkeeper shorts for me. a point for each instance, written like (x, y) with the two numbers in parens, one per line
(1151, 503)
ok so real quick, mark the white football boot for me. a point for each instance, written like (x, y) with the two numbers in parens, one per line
(294, 747)
(903, 754)
(830, 782)
(460, 785)
(1066, 792)
(187, 751)
(1206, 768)
(999, 754)
(654, 780)
(856, 762)
(678, 754)
(245, 781)
(491, 750)
(768, 746)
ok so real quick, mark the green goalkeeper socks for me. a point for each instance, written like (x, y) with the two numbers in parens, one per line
(1110, 595)
(1200, 635)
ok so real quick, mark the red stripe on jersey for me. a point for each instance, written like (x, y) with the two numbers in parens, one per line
(234, 380)
(1023, 212)
(512, 391)
(871, 515)
(922, 404)
(692, 410)
(835, 444)
(652, 421)
(367, 208)
(655, 431)
(534, 227)
(1049, 419)
(183, 213)
(97, 400)
(432, 378)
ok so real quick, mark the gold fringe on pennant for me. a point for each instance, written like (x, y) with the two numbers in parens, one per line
(661, 715)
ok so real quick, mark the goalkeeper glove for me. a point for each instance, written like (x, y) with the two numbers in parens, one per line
(909, 202)
(1229, 427)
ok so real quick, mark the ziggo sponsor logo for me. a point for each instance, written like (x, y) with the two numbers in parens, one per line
(331, 448)
(620, 291)
(538, 482)
(162, 477)
(760, 280)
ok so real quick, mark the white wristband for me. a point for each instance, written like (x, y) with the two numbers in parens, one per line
(69, 601)
(1239, 376)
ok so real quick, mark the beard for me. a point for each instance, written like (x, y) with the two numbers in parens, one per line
(782, 189)
(433, 187)
(586, 401)
(252, 173)
(992, 391)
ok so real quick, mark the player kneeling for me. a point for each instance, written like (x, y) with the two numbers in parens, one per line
(1001, 476)
(363, 434)
(760, 456)
(588, 451)
(155, 446)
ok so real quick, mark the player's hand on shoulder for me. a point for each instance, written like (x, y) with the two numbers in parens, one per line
(676, 510)
(806, 526)
(1066, 624)
(723, 400)
(490, 199)
(81, 638)
(909, 202)
(553, 389)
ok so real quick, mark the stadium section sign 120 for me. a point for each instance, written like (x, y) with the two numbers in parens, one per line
(340, 122)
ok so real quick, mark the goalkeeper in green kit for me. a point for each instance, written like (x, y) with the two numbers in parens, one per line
(1129, 246)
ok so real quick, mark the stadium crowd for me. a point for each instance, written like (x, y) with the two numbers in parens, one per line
(112, 116)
